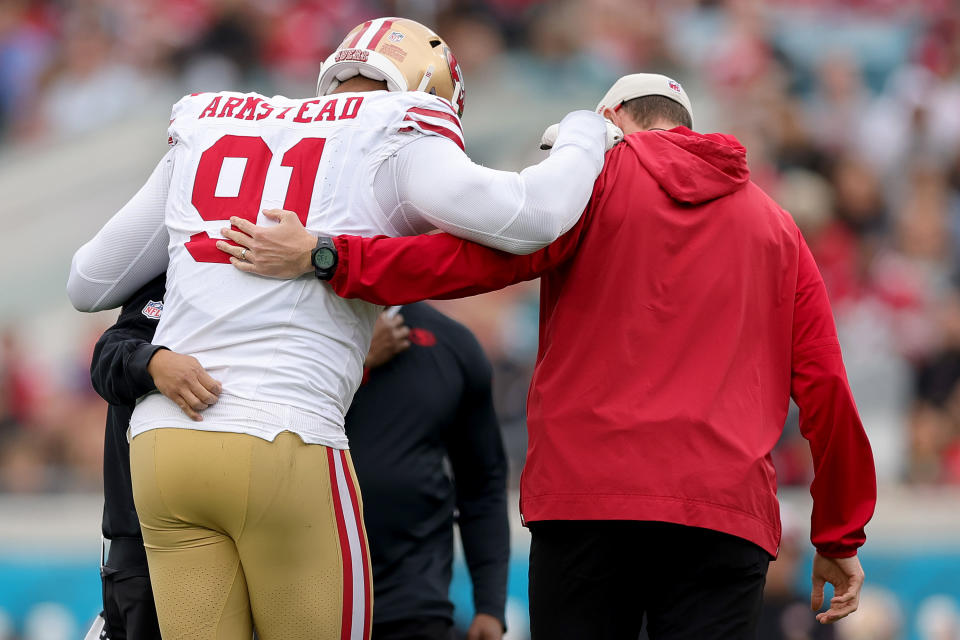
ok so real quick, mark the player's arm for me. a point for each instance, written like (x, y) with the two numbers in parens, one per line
(475, 449)
(128, 252)
(401, 270)
(437, 185)
(844, 487)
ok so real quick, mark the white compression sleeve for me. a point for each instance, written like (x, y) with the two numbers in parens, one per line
(128, 251)
(436, 183)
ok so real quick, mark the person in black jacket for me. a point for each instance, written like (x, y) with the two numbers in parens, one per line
(426, 400)
(429, 405)
(126, 366)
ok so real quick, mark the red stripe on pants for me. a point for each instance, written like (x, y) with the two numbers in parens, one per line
(346, 619)
(367, 600)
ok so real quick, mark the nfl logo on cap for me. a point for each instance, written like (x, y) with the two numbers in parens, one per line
(674, 85)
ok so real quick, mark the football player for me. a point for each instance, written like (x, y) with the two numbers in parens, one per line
(250, 512)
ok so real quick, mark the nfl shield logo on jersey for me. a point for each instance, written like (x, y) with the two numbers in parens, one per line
(153, 310)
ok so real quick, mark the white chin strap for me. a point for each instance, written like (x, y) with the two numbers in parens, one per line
(428, 74)
(376, 67)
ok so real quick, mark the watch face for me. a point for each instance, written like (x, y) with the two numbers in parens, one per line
(323, 258)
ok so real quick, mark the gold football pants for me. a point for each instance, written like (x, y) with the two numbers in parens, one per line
(242, 533)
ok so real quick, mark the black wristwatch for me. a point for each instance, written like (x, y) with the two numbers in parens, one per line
(324, 258)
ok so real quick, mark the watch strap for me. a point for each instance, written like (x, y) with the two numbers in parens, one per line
(325, 248)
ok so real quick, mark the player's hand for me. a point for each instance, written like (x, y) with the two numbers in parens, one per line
(278, 251)
(182, 379)
(549, 138)
(846, 576)
(485, 627)
(390, 337)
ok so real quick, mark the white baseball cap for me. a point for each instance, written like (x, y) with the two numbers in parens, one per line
(638, 85)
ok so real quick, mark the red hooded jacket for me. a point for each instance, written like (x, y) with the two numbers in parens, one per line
(677, 319)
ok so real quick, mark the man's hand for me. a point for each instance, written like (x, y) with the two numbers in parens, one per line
(280, 251)
(390, 337)
(846, 576)
(485, 627)
(183, 380)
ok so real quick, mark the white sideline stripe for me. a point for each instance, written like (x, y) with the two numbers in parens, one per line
(356, 553)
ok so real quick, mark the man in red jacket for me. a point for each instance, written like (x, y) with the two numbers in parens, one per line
(678, 318)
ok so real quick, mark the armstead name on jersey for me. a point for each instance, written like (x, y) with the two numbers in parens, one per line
(257, 108)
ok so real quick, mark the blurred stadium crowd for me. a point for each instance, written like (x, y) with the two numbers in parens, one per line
(850, 112)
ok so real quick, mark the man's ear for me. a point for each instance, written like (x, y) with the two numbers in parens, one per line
(622, 119)
(612, 116)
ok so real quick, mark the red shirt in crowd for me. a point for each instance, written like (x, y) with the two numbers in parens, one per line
(677, 319)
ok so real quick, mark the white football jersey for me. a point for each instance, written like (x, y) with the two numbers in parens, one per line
(289, 353)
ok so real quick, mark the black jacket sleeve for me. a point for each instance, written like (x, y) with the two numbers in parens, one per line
(119, 367)
(479, 465)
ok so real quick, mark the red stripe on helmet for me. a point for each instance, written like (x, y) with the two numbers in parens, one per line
(362, 30)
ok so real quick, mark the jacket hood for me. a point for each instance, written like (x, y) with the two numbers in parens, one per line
(692, 167)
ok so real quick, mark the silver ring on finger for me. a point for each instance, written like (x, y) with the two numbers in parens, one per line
(243, 254)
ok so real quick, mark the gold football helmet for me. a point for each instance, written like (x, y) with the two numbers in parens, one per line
(404, 53)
